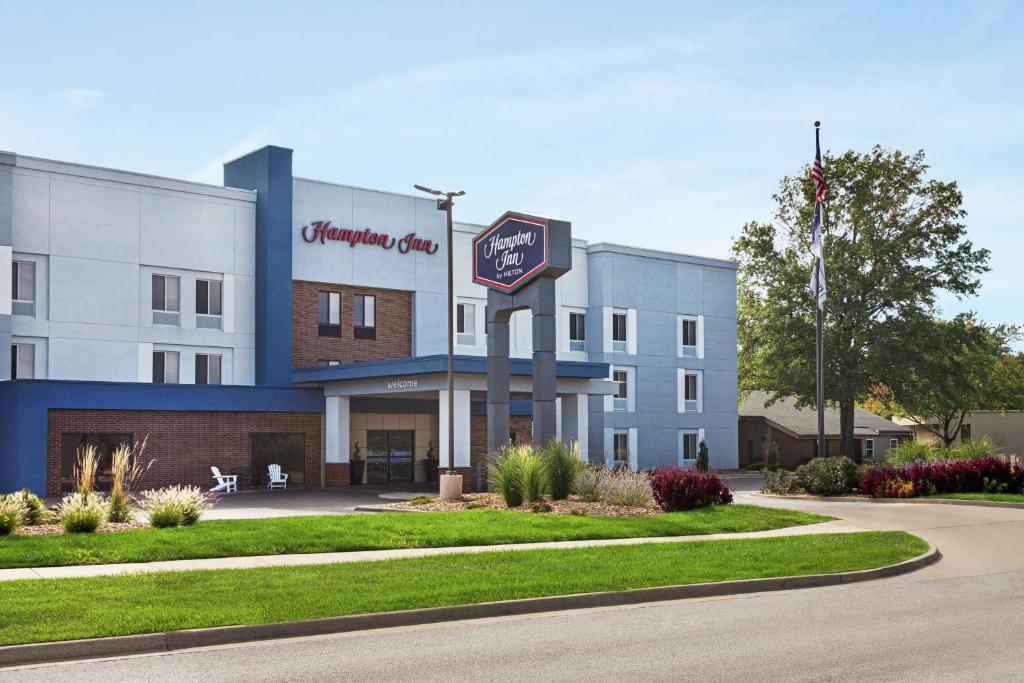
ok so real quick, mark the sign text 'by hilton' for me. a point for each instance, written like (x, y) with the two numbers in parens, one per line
(511, 252)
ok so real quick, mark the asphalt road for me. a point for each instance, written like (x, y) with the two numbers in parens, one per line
(961, 619)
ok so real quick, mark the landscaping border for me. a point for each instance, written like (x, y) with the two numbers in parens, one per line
(921, 500)
(96, 648)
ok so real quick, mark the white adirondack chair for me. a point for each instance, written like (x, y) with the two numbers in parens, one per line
(275, 479)
(228, 483)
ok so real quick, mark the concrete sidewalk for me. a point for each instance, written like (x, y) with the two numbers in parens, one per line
(252, 562)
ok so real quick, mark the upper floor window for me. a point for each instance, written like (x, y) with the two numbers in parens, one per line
(208, 368)
(364, 317)
(577, 332)
(618, 331)
(621, 377)
(23, 288)
(209, 304)
(691, 391)
(465, 324)
(23, 361)
(166, 300)
(165, 367)
(688, 336)
(330, 314)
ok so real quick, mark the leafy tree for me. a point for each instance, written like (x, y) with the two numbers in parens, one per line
(702, 457)
(894, 239)
(962, 366)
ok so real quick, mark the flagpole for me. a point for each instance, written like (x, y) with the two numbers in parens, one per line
(820, 346)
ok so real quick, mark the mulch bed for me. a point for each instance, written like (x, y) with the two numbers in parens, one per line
(54, 529)
(493, 501)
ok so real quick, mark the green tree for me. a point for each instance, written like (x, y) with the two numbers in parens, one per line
(961, 366)
(894, 239)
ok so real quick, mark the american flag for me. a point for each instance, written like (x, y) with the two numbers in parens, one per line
(818, 276)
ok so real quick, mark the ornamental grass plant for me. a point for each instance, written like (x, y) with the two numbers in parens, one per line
(87, 460)
(34, 511)
(82, 513)
(125, 473)
(561, 466)
(173, 506)
(12, 514)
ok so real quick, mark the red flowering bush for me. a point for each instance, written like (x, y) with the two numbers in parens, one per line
(989, 474)
(679, 488)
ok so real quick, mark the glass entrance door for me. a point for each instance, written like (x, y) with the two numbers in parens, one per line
(389, 456)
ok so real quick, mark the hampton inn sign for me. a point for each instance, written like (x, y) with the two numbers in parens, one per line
(322, 231)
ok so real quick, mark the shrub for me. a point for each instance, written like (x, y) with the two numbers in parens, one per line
(12, 514)
(774, 460)
(506, 473)
(174, 505)
(702, 457)
(679, 488)
(82, 513)
(623, 486)
(533, 477)
(946, 476)
(912, 451)
(34, 512)
(828, 476)
(974, 449)
(422, 500)
(588, 483)
(781, 483)
(561, 465)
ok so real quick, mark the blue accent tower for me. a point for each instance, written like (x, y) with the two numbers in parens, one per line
(269, 172)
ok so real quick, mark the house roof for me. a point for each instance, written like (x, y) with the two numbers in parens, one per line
(803, 422)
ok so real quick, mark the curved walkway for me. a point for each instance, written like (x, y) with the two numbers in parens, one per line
(256, 561)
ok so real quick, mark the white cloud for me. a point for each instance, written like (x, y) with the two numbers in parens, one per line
(213, 171)
(79, 98)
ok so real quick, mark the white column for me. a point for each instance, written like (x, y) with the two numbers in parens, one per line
(337, 428)
(574, 421)
(462, 428)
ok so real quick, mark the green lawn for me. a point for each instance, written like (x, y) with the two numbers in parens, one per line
(61, 609)
(998, 497)
(337, 533)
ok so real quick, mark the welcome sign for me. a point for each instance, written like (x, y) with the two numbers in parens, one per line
(511, 252)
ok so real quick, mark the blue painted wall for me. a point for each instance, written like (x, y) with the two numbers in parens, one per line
(269, 172)
(24, 407)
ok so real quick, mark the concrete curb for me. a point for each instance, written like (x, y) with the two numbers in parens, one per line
(889, 501)
(94, 648)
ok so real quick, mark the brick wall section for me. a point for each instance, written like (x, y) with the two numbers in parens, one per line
(393, 313)
(522, 425)
(337, 474)
(183, 445)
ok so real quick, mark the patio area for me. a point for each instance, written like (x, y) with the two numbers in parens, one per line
(293, 502)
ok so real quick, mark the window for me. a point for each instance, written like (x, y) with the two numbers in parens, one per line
(577, 332)
(692, 390)
(688, 337)
(208, 368)
(330, 314)
(365, 320)
(869, 448)
(618, 331)
(620, 448)
(105, 444)
(894, 443)
(166, 306)
(23, 288)
(209, 304)
(465, 324)
(621, 377)
(23, 361)
(165, 367)
(513, 438)
(688, 445)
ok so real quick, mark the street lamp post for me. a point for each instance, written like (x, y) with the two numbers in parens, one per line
(450, 484)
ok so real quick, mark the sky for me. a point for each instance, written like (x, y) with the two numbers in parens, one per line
(662, 125)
